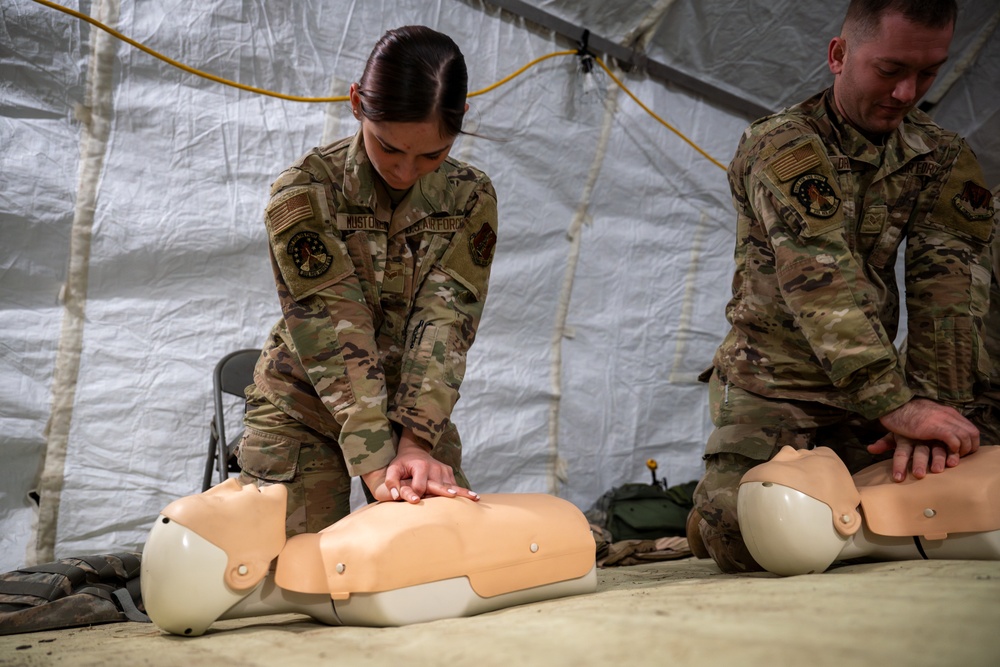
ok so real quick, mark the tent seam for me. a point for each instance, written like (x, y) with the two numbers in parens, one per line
(96, 121)
(556, 468)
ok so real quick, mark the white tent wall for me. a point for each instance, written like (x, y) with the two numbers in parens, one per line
(773, 53)
(38, 163)
(609, 282)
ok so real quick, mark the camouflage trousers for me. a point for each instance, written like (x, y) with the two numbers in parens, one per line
(985, 414)
(278, 449)
(751, 429)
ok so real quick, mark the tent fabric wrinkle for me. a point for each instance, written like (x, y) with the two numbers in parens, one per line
(136, 191)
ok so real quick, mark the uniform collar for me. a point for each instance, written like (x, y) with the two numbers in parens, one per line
(908, 141)
(428, 195)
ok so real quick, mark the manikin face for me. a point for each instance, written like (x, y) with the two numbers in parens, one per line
(878, 81)
(402, 152)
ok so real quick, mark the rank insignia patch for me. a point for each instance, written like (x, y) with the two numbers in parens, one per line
(974, 201)
(481, 245)
(309, 254)
(874, 219)
(815, 193)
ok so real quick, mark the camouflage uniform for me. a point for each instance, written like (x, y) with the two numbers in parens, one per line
(986, 410)
(809, 359)
(380, 305)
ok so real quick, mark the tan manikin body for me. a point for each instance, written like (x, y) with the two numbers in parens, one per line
(223, 554)
(802, 510)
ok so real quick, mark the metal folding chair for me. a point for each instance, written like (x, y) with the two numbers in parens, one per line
(231, 376)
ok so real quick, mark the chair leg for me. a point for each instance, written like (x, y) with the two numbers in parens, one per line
(213, 440)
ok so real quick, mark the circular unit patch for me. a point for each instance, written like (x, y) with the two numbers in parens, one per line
(309, 254)
(818, 197)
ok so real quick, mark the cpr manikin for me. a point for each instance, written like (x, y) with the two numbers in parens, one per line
(222, 554)
(802, 510)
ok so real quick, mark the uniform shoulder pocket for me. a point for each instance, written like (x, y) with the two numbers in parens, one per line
(802, 179)
(965, 205)
(470, 256)
(308, 251)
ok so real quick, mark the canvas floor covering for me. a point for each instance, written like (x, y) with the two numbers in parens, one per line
(674, 613)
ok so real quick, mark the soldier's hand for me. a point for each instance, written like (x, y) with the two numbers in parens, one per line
(923, 419)
(414, 474)
(920, 452)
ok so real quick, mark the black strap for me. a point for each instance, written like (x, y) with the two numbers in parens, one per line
(102, 567)
(127, 605)
(920, 547)
(97, 590)
(36, 589)
(76, 575)
(131, 563)
(134, 588)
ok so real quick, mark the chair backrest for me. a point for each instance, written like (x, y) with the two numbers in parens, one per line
(235, 371)
(232, 375)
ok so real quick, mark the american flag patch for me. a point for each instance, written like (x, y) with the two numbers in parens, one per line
(287, 211)
(795, 162)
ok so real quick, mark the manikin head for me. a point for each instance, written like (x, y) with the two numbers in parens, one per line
(208, 551)
(411, 103)
(798, 510)
(886, 58)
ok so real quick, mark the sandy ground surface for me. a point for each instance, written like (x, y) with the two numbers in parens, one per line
(674, 613)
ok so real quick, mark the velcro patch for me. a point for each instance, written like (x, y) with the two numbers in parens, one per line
(288, 208)
(367, 222)
(974, 202)
(795, 161)
(481, 245)
(442, 225)
(816, 194)
(874, 219)
(310, 256)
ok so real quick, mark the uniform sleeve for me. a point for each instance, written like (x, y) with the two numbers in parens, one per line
(947, 287)
(328, 321)
(795, 194)
(442, 328)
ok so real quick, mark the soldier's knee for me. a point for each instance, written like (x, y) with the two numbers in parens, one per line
(727, 548)
(716, 493)
(715, 499)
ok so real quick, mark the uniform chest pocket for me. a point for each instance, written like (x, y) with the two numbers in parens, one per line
(891, 211)
(426, 259)
(359, 248)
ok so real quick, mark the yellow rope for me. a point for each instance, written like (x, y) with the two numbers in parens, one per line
(345, 98)
(665, 123)
(171, 61)
(521, 71)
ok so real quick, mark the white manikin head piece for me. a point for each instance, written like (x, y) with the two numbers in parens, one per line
(182, 580)
(786, 531)
(798, 511)
(207, 552)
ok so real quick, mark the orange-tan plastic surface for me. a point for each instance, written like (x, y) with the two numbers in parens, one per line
(963, 499)
(245, 522)
(503, 543)
(302, 561)
(819, 473)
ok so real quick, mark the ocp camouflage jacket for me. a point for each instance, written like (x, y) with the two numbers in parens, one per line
(380, 304)
(821, 214)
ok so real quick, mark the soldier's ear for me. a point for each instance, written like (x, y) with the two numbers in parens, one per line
(836, 55)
